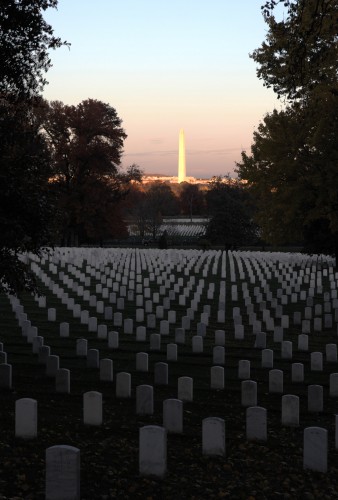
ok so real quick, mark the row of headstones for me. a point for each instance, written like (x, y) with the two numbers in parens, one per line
(307, 321)
(217, 377)
(63, 462)
(160, 312)
(307, 325)
(151, 318)
(125, 259)
(155, 339)
(26, 408)
(285, 262)
(286, 349)
(289, 278)
(164, 327)
(294, 283)
(316, 326)
(128, 328)
(128, 278)
(198, 340)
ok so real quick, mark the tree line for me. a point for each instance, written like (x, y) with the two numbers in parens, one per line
(292, 169)
(224, 202)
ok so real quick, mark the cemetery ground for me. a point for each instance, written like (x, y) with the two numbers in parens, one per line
(268, 469)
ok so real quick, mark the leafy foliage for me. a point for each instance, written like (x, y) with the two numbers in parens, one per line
(230, 223)
(300, 52)
(149, 206)
(86, 142)
(26, 39)
(191, 199)
(26, 200)
(292, 169)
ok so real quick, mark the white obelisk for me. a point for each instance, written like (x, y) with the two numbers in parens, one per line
(181, 157)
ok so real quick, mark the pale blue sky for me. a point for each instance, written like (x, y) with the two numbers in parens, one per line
(166, 65)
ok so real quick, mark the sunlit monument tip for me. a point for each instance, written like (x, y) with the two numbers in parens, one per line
(181, 157)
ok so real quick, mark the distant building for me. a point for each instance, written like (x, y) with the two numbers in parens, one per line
(150, 178)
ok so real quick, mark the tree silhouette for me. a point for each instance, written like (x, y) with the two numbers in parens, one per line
(86, 142)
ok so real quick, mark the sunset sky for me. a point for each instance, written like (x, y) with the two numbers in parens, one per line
(166, 65)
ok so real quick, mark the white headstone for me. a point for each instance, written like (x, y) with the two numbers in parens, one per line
(155, 342)
(92, 358)
(303, 342)
(249, 393)
(106, 370)
(256, 423)
(315, 398)
(213, 436)
(113, 340)
(144, 400)
(220, 337)
(334, 385)
(62, 473)
(197, 344)
(161, 373)
(142, 361)
(81, 347)
(315, 449)
(92, 408)
(267, 358)
(243, 369)
(185, 388)
(218, 355)
(51, 314)
(286, 349)
(64, 329)
(276, 381)
(152, 451)
(102, 331)
(331, 353)
(52, 365)
(297, 372)
(26, 418)
(123, 385)
(92, 324)
(173, 415)
(316, 359)
(62, 381)
(171, 352)
(290, 410)
(217, 377)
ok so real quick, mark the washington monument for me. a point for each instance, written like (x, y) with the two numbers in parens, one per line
(181, 157)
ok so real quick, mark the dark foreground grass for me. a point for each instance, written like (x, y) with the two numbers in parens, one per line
(109, 453)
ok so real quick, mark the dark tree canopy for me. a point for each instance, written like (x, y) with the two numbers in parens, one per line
(230, 222)
(292, 171)
(26, 200)
(300, 52)
(147, 207)
(292, 168)
(162, 199)
(86, 142)
(25, 42)
(191, 199)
